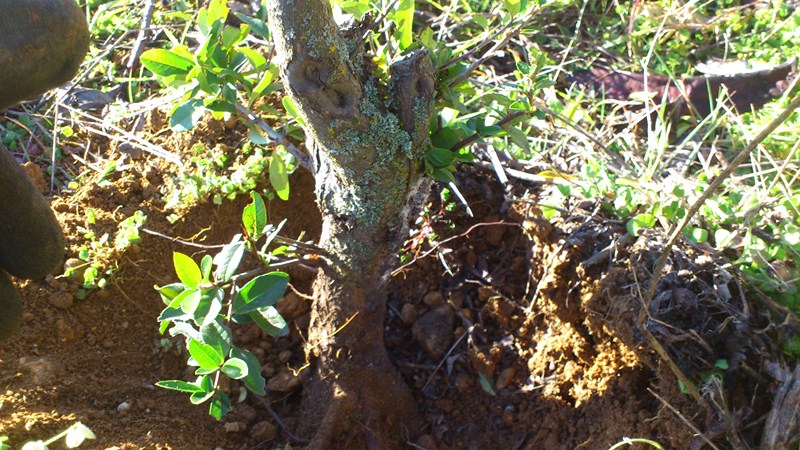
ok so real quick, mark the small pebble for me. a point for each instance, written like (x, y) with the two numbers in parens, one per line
(62, 300)
(427, 442)
(408, 314)
(463, 382)
(284, 356)
(234, 427)
(434, 331)
(263, 431)
(123, 407)
(433, 298)
(505, 378)
(283, 382)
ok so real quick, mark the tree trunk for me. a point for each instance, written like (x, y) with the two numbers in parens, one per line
(368, 142)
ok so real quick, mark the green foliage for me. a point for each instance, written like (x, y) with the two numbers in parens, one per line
(198, 309)
(98, 253)
(221, 68)
(73, 436)
(224, 76)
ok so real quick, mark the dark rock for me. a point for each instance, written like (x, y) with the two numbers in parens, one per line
(434, 330)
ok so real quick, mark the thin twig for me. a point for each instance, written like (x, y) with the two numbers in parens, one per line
(474, 137)
(280, 423)
(684, 419)
(676, 231)
(489, 54)
(440, 243)
(147, 15)
(301, 157)
(181, 241)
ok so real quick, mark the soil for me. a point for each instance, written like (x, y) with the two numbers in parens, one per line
(513, 331)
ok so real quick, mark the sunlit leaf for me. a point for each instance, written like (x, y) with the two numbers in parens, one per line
(206, 356)
(229, 258)
(165, 62)
(264, 290)
(279, 176)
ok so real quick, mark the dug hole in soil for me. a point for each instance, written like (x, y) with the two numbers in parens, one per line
(513, 331)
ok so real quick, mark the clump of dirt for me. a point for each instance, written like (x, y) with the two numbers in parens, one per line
(513, 331)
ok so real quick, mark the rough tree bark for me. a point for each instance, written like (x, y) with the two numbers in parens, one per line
(368, 139)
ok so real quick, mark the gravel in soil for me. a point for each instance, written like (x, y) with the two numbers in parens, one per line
(513, 331)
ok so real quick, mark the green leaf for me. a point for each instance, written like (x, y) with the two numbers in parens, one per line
(229, 258)
(217, 335)
(205, 355)
(235, 368)
(191, 301)
(261, 291)
(179, 385)
(186, 115)
(253, 381)
(697, 235)
(640, 222)
(35, 445)
(270, 320)
(200, 397)
(220, 405)
(444, 175)
(165, 63)
(486, 384)
(445, 138)
(258, 26)
(185, 329)
(205, 267)
(265, 82)
(439, 157)
(289, 106)
(209, 307)
(217, 10)
(76, 434)
(519, 138)
(512, 6)
(187, 270)
(254, 215)
(279, 176)
(489, 131)
(404, 20)
(170, 291)
(169, 314)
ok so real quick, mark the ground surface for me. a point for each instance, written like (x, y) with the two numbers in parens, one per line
(518, 333)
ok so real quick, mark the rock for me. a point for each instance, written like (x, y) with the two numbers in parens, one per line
(433, 298)
(408, 313)
(291, 306)
(505, 378)
(42, 370)
(263, 431)
(427, 442)
(463, 383)
(284, 356)
(123, 407)
(245, 412)
(434, 331)
(67, 331)
(494, 234)
(284, 381)
(62, 300)
(234, 427)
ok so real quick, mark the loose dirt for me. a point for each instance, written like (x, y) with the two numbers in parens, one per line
(514, 332)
